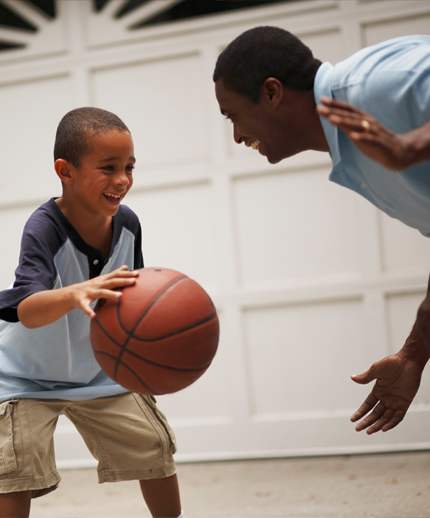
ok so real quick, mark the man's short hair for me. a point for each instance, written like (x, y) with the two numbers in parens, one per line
(71, 140)
(264, 52)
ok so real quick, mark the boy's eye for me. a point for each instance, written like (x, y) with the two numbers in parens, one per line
(108, 168)
(129, 169)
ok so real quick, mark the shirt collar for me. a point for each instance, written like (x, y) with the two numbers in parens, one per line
(322, 87)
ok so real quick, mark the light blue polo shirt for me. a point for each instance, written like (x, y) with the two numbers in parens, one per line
(391, 82)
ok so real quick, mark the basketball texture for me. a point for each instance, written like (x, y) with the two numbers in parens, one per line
(160, 336)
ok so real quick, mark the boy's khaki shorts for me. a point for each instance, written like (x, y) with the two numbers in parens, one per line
(127, 434)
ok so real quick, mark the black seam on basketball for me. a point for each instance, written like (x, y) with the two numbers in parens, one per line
(163, 366)
(118, 306)
(197, 324)
(132, 371)
(148, 308)
(97, 321)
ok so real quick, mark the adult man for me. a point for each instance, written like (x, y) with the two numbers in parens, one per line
(268, 84)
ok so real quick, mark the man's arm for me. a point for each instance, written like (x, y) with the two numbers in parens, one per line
(45, 307)
(394, 151)
(397, 378)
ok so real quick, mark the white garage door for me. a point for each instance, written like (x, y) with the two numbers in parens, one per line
(310, 281)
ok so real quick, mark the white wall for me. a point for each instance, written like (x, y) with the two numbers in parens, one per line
(310, 281)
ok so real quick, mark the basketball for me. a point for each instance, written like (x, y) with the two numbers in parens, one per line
(160, 336)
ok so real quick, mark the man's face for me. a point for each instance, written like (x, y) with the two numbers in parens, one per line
(274, 128)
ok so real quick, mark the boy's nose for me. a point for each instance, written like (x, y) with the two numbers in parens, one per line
(122, 178)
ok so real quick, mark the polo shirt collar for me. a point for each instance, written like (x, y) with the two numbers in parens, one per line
(322, 87)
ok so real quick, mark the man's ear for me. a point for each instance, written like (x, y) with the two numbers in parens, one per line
(272, 91)
(63, 168)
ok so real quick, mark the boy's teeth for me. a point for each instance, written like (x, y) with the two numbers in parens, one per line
(113, 196)
(255, 144)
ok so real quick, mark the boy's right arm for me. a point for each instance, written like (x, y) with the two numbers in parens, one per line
(45, 307)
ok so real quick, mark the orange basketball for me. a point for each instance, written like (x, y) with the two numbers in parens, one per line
(160, 336)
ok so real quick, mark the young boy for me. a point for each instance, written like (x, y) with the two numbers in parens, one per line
(76, 249)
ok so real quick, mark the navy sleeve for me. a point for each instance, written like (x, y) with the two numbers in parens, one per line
(36, 269)
(131, 221)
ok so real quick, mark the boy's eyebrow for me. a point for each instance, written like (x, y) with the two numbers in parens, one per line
(109, 159)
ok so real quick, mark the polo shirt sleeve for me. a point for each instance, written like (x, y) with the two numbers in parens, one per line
(36, 269)
(131, 221)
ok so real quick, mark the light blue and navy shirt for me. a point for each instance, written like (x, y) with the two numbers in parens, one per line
(391, 82)
(56, 361)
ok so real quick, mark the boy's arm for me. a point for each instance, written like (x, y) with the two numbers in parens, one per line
(394, 151)
(45, 307)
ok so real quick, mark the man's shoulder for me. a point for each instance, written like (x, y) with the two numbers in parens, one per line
(393, 54)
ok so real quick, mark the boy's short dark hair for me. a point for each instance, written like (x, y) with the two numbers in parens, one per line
(71, 140)
(264, 52)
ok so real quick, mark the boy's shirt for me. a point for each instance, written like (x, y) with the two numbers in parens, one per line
(56, 361)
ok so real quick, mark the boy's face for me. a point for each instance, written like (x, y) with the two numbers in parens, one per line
(106, 173)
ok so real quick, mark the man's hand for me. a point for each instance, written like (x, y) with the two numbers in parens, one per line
(394, 151)
(397, 382)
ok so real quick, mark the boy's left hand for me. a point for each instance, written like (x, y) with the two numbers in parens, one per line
(102, 287)
(45, 307)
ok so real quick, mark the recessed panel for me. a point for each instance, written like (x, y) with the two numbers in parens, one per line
(178, 230)
(325, 46)
(30, 113)
(385, 30)
(292, 225)
(12, 221)
(300, 357)
(208, 398)
(161, 102)
(403, 247)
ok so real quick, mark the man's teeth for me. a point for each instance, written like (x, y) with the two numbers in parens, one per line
(255, 144)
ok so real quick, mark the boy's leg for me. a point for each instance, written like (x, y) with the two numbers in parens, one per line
(27, 466)
(132, 440)
(15, 505)
(162, 496)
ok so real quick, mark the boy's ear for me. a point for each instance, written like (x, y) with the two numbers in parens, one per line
(272, 91)
(63, 168)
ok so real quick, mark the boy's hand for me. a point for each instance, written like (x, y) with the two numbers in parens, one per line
(84, 293)
(45, 307)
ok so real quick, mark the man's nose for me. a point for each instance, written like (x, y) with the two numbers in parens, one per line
(237, 136)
